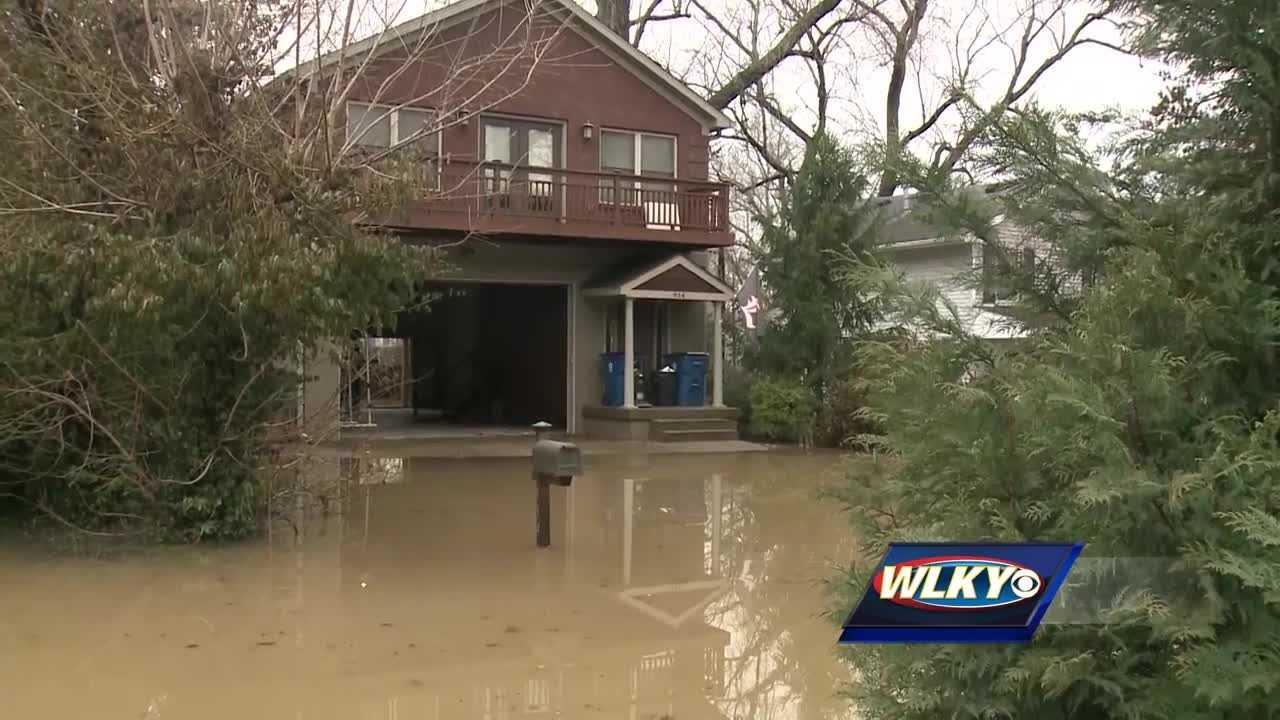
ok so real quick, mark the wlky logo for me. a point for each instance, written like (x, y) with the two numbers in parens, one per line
(953, 593)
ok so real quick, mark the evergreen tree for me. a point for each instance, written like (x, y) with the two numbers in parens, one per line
(825, 223)
(1142, 419)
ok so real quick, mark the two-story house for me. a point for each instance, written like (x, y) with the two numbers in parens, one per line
(572, 200)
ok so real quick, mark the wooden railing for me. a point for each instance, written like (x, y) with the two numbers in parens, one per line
(590, 203)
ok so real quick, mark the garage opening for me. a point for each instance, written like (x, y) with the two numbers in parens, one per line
(478, 355)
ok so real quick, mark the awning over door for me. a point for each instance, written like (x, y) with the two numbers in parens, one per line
(673, 278)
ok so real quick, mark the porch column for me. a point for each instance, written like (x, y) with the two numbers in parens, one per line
(717, 356)
(628, 353)
(717, 510)
(628, 526)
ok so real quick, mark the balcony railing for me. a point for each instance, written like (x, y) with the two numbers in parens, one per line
(493, 197)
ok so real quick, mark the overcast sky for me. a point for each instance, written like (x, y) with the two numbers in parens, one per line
(1093, 76)
(1090, 77)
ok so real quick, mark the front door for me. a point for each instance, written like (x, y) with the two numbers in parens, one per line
(518, 155)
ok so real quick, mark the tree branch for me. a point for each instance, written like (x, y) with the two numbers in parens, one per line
(760, 66)
(1015, 92)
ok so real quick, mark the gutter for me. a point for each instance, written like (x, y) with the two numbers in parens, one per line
(927, 243)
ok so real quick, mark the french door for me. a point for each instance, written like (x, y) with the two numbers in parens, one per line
(517, 156)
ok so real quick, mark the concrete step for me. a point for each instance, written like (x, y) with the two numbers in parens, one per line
(659, 412)
(695, 435)
(684, 429)
(692, 423)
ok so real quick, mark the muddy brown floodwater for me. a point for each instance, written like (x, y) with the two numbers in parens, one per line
(681, 587)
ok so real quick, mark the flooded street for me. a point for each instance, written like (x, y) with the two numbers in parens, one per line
(679, 587)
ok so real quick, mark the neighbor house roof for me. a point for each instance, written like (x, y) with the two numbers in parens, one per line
(639, 63)
(905, 225)
(901, 224)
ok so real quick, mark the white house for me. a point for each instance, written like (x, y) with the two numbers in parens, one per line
(955, 263)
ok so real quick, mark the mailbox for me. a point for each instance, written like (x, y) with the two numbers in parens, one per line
(560, 460)
(553, 463)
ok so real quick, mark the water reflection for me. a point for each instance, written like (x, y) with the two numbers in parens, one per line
(677, 587)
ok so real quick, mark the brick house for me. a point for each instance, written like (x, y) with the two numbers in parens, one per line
(573, 200)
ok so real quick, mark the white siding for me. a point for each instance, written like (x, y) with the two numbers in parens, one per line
(945, 266)
(949, 266)
(1016, 237)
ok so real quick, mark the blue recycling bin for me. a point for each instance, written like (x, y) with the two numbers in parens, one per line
(612, 379)
(691, 377)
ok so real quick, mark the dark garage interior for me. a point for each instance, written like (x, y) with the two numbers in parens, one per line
(488, 354)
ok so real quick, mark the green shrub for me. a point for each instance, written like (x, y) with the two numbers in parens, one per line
(842, 415)
(782, 409)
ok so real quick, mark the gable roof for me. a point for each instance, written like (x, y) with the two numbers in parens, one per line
(636, 61)
(673, 278)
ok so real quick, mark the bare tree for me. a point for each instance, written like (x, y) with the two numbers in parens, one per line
(911, 78)
(971, 91)
(800, 22)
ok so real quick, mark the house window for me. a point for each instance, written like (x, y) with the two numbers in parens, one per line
(369, 125)
(633, 153)
(414, 125)
(642, 154)
(650, 202)
(998, 272)
(381, 126)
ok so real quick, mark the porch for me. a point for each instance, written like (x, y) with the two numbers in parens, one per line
(645, 416)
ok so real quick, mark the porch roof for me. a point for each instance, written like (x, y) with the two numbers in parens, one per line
(673, 278)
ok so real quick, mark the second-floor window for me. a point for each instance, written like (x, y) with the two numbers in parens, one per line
(637, 153)
(999, 272)
(383, 126)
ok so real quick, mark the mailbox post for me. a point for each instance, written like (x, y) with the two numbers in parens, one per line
(553, 462)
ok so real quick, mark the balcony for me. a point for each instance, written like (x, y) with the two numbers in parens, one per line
(498, 199)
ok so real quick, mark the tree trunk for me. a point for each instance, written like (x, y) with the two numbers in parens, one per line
(890, 177)
(616, 15)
